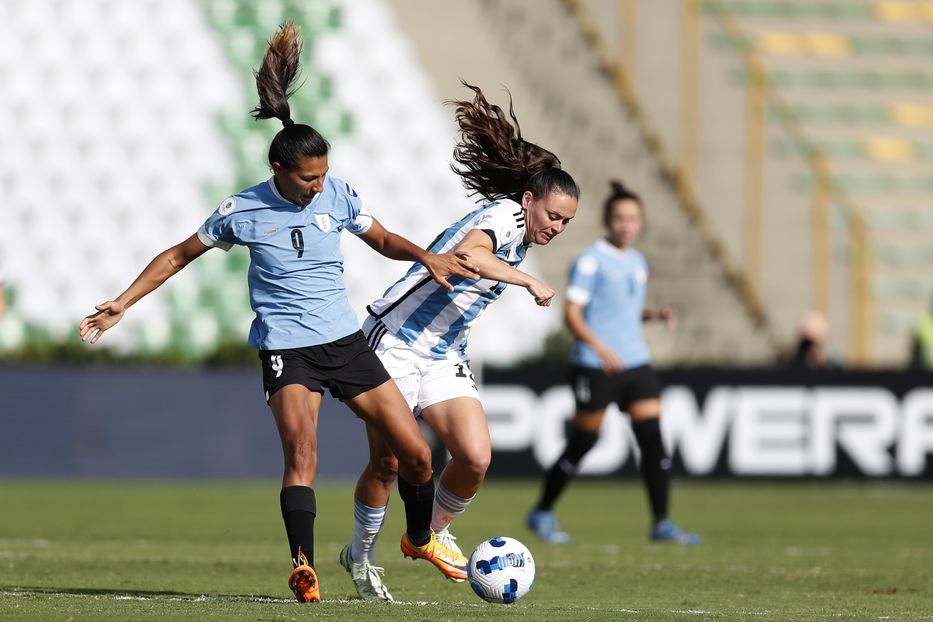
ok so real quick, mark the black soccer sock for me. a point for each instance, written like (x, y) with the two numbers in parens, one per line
(299, 508)
(559, 475)
(655, 466)
(419, 504)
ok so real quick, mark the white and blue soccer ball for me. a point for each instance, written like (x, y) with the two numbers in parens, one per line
(501, 570)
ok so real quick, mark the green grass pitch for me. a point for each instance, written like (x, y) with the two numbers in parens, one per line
(770, 552)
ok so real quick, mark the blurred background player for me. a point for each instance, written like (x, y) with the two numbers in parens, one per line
(420, 330)
(610, 362)
(306, 333)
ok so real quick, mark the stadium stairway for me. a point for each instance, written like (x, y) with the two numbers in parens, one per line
(567, 104)
(853, 79)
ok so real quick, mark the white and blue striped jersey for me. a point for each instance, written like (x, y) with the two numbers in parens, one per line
(296, 268)
(610, 284)
(435, 322)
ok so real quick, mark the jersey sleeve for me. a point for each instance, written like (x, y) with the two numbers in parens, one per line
(582, 282)
(359, 217)
(217, 230)
(502, 222)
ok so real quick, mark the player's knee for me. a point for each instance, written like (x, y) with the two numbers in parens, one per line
(579, 443)
(385, 470)
(301, 459)
(475, 464)
(416, 466)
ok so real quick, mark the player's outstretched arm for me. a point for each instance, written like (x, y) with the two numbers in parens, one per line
(440, 266)
(478, 246)
(165, 264)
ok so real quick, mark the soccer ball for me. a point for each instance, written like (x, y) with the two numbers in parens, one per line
(501, 570)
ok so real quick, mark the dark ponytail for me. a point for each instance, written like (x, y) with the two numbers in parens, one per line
(275, 82)
(494, 160)
(619, 192)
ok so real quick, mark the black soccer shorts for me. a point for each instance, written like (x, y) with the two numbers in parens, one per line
(594, 389)
(347, 367)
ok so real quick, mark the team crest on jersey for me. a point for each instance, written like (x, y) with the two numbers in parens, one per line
(506, 234)
(323, 222)
(641, 276)
(587, 265)
(352, 192)
(226, 206)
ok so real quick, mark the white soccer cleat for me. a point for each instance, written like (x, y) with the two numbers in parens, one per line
(447, 539)
(366, 577)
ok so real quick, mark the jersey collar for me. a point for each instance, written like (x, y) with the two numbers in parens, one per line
(275, 191)
(604, 244)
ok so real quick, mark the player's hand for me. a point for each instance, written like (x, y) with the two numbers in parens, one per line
(612, 364)
(94, 325)
(541, 292)
(450, 264)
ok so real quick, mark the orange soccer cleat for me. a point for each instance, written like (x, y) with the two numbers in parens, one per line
(303, 581)
(451, 563)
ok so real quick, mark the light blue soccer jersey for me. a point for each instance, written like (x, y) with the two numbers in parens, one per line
(296, 268)
(436, 322)
(610, 284)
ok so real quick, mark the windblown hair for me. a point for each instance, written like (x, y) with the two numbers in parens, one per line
(494, 160)
(619, 192)
(275, 82)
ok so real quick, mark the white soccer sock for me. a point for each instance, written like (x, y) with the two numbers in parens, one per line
(447, 507)
(367, 522)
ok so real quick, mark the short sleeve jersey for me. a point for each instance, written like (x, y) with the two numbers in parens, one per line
(296, 268)
(436, 322)
(610, 284)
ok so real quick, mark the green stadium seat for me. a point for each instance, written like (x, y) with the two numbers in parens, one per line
(897, 323)
(221, 13)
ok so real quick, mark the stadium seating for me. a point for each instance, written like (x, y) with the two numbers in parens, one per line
(109, 142)
(140, 129)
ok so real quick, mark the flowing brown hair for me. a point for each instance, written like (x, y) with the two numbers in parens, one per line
(275, 82)
(276, 76)
(493, 159)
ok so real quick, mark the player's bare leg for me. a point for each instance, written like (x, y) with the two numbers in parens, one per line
(459, 423)
(385, 410)
(295, 409)
(588, 420)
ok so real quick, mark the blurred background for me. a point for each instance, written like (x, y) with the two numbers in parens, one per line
(782, 148)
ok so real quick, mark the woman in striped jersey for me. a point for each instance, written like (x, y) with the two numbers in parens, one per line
(419, 330)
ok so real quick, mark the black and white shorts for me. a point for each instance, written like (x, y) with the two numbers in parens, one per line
(348, 367)
(594, 389)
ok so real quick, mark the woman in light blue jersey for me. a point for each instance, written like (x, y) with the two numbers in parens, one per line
(605, 309)
(420, 331)
(305, 330)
